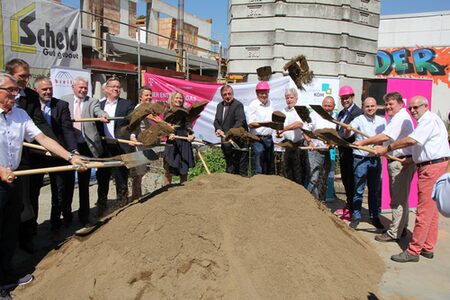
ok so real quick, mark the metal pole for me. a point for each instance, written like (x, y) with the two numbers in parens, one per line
(147, 20)
(180, 36)
(139, 57)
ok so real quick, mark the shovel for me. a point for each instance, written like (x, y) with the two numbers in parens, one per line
(97, 119)
(129, 160)
(323, 113)
(123, 141)
(333, 138)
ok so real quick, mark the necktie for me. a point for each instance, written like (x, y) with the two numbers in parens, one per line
(77, 114)
(225, 110)
(47, 112)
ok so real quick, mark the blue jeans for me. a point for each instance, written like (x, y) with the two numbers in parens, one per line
(367, 169)
(263, 155)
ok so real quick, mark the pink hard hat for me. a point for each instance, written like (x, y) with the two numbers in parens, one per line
(262, 86)
(346, 90)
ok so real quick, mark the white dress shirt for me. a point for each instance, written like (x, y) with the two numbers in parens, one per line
(258, 112)
(370, 126)
(432, 139)
(317, 122)
(110, 109)
(15, 126)
(292, 116)
(398, 127)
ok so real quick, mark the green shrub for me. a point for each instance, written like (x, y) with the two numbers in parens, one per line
(214, 160)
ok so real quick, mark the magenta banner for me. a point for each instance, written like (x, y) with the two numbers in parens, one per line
(408, 88)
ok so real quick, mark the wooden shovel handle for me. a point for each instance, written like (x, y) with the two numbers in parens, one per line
(37, 147)
(97, 119)
(203, 161)
(123, 141)
(314, 148)
(352, 129)
(233, 143)
(371, 150)
(69, 168)
(187, 139)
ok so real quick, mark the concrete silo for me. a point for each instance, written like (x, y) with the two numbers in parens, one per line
(338, 37)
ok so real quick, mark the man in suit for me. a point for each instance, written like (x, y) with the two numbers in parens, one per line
(230, 114)
(88, 139)
(346, 115)
(114, 106)
(57, 115)
(28, 100)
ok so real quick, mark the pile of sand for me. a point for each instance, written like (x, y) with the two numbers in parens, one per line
(220, 236)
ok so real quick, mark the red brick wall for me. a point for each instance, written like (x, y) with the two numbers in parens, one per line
(132, 18)
(111, 9)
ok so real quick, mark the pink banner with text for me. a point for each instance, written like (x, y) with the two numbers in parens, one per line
(408, 88)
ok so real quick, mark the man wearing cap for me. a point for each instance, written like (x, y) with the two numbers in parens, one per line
(346, 115)
(367, 166)
(230, 114)
(260, 110)
(430, 153)
(400, 175)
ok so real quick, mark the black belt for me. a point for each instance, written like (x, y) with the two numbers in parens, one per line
(363, 157)
(432, 162)
(400, 157)
(264, 136)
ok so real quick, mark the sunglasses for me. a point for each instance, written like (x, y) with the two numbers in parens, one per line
(415, 107)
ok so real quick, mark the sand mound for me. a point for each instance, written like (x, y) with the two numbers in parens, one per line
(220, 236)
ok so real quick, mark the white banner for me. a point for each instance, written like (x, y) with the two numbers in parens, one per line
(245, 93)
(42, 33)
(62, 80)
(319, 88)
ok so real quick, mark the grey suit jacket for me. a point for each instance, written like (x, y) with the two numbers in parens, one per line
(91, 109)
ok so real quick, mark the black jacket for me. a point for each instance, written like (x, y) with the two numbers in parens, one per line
(235, 116)
(354, 112)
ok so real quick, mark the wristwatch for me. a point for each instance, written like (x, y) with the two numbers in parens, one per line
(70, 157)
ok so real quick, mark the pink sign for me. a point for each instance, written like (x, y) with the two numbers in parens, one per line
(193, 91)
(408, 88)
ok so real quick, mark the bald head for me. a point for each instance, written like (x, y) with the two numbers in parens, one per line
(328, 104)
(370, 106)
(418, 105)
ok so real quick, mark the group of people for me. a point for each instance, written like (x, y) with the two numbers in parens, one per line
(424, 149)
(34, 114)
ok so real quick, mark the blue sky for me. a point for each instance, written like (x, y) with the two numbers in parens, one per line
(217, 10)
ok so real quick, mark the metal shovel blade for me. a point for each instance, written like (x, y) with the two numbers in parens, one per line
(139, 158)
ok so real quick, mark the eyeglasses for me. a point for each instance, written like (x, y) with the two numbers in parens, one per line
(346, 97)
(11, 90)
(415, 107)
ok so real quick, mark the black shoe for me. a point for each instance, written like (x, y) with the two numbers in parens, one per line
(5, 295)
(427, 254)
(377, 223)
(25, 279)
(354, 223)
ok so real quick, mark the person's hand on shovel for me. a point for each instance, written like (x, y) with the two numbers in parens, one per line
(6, 175)
(220, 133)
(104, 119)
(76, 161)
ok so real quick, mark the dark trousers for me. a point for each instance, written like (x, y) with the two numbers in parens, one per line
(83, 186)
(62, 186)
(10, 209)
(104, 175)
(294, 164)
(236, 161)
(348, 179)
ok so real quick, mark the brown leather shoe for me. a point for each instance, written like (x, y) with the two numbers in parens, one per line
(384, 238)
